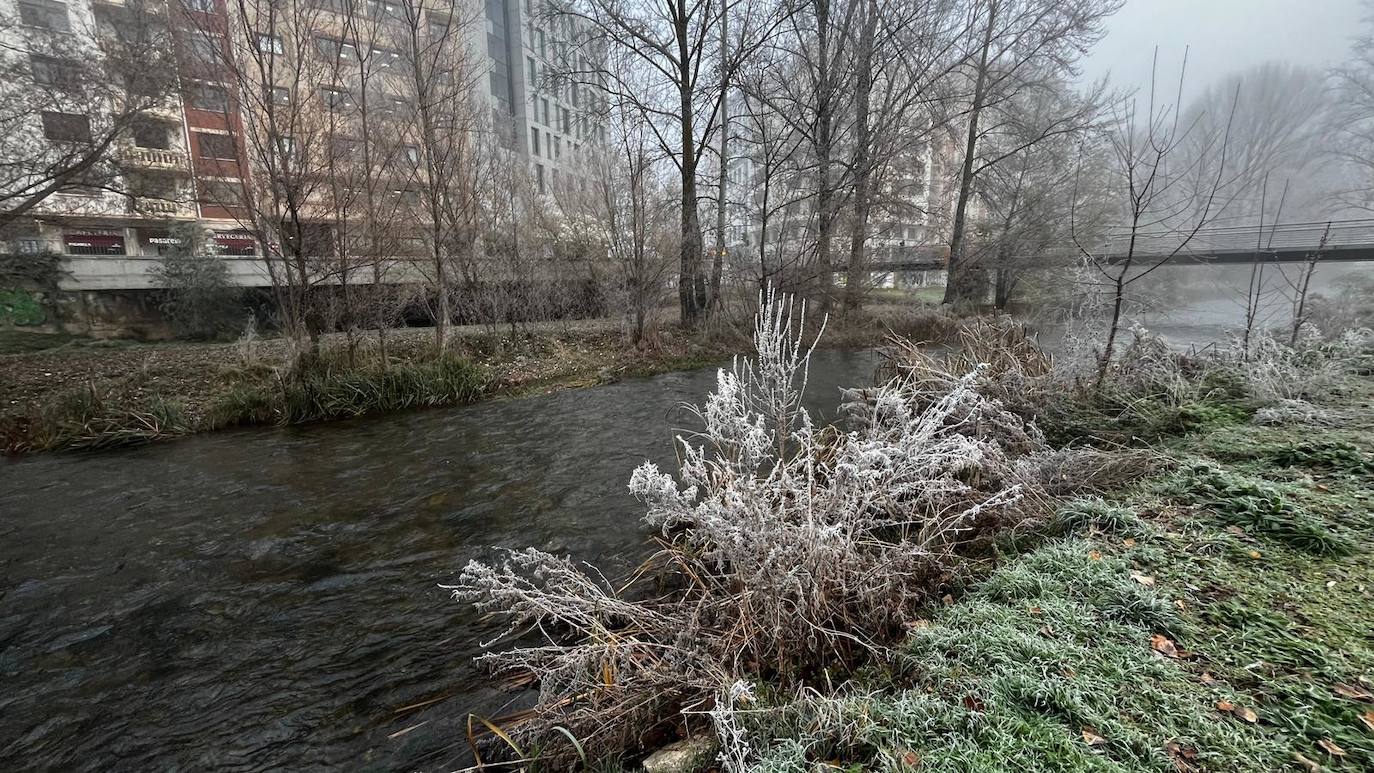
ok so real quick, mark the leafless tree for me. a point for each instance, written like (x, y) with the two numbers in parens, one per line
(68, 102)
(279, 121)
(656, 58)
(1353, 118)
(1024, 197)
(1282, 117)
(1019, 44)
(442, 123)
(1167, 183)
(903, 55)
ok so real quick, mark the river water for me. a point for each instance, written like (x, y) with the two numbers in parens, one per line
(267, 599)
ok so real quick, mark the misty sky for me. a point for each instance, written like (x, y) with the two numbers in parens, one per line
(1224, 35)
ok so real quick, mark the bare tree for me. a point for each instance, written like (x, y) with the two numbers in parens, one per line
(1023, 196)
(903, 54)
(280, 123)
(1167, 184)
(68, 101)
(1020, 44)
(655, 58)
(442, 123)
(1352, 124)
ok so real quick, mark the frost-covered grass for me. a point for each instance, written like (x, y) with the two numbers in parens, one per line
(789, 551)
(1140, 637)
(930, 588)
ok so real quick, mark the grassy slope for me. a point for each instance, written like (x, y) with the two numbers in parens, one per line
(1051, 663)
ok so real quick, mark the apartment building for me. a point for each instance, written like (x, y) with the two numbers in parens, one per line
(196, 158)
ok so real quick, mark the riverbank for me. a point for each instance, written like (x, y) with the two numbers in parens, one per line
(1215, 616)
(1008, 564)
(84, 395)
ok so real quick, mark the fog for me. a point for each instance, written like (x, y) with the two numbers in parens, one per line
(1221, 37)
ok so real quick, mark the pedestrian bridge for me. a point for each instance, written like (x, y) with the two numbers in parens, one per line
(1336, 240)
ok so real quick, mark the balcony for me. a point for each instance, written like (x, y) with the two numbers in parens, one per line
(156, 160)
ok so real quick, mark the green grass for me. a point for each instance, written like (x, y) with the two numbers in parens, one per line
(1252, 559)
(82, 419)
(330, 390)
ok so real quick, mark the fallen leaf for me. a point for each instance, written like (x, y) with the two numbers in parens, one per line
(1143, 579)
(911, 759)
(948, 600)
(1095, 555)
(1175, 749)
(1306, 764)
(1207, 678)
(1329, 746)
(916, 625)
(1035, 610)
(1180, 604)
(1163, 645)
(1368, 719)
(1254, 554)
(1235, 530)
(1248, 715)
(1047, 631)
(1068, 673)
(973, 703)
(1128, 542)
(1091, 738)
(1352, 692)
(1225, 706)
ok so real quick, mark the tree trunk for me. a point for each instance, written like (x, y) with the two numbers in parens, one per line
(955, 290)
(824, 140)
(718, 259)
(691, 280)
(863, 137)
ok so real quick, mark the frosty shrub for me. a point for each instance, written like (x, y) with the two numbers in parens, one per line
(1310, 370)
(788, 551)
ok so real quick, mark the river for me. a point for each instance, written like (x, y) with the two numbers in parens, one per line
(268, 599)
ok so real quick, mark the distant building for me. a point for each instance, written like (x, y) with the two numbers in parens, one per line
(186, 161)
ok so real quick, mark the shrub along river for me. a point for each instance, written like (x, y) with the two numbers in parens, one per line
(268, 599)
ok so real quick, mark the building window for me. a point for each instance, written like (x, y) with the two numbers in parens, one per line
(269, 44)
(539, 176)
(29, 246)
(151, 134)
(534, 140)
(204, 6)
(66, 127)
(215, 145)
(210, 97)
(543, 46)
(45, 14)
(55, 71)
(94, 241)
(385, 57)
(157, 241)
(330, 48)
(335, 99)
(281, 95)
(557, 148)
(219, 193)
(204, 47)
(438, 28)
(412, 153)
(343, 147)
(566, 123)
